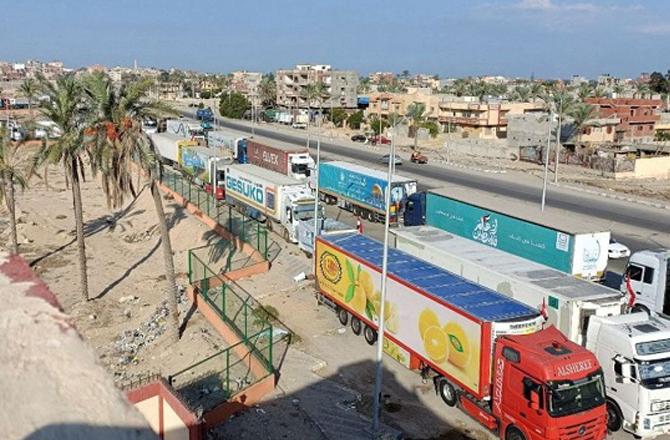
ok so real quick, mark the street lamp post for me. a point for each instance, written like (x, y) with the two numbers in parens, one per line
(316, 195)
(550, 120)
(558, 139)
(380, 332)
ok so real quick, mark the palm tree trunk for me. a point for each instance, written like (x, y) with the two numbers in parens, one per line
(79, 222)
(11, 206)
(171, 292)
(416, 136)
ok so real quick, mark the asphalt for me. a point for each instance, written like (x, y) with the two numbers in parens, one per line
(655, 221)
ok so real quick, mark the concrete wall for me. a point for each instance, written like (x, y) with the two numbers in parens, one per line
(648, 168)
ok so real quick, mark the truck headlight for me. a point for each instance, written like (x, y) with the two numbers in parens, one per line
(660, 406)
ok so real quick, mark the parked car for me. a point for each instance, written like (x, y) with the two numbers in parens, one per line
(617, 250)
(300, 125)
(417, 157)
(359, 138)
(380, 140)
(385, 159)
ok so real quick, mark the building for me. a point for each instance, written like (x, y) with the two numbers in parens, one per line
(246, 83)
(292, 85)
(482, 120)
(385, 104)
(599, 131)
(637, 117)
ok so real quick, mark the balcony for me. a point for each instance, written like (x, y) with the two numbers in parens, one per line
(459, 120)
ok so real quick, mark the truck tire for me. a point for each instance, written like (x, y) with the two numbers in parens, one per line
(370, 335)
(343, 316)
(514, 434)
(371, 216)
(640, 308)
(356, 325)
(447, 392)
(614, 416)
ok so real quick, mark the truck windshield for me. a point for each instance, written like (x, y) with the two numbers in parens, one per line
(303, 212)
(655, 374)
(300, 168)
(569, 397)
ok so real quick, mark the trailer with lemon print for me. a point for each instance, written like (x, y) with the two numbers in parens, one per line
(440, 323)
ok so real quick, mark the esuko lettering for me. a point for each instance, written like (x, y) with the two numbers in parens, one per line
(245, 188)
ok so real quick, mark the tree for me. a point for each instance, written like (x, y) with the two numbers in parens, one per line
(417, 113)
(584, 91)
(642, 90)
(355, 120)
(561, 102)
(432, 127)
(233, 105)
(580, 113)
(314, 93)
(405, 74)
(14, 171)
(67, 111)
(29, 89)
(521, 93)
(659, 83)
(618, 89)
(205, 94)
(120, 146)
(268, 91)
(338, 116)
(662, 136)
(378, 125)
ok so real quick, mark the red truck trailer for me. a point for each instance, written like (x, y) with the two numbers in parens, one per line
(288, 159)
(486, 352)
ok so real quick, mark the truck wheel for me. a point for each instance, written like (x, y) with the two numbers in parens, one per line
(356, 325)
(343, 316)
(514, 434)
(371, 216)
(447, 392)
(370, 335)
(614, 417)
(286, 236)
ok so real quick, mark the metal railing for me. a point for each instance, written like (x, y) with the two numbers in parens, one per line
(242, 226)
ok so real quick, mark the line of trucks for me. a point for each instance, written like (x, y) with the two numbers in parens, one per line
(498, 308)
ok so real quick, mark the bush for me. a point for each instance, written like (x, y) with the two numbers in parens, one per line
(376, 127)
(205, 94)
(355, 120)
(338, 116)
(432, 127)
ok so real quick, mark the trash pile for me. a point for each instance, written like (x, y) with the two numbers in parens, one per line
(130, 342)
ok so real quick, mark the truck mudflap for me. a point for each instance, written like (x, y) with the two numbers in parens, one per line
(220, 193)
(478, 413)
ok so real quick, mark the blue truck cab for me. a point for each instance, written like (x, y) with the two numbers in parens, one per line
(204, 114)
(415, 209)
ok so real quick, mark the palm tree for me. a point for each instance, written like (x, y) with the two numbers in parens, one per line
(120, 146)
(67, 111)
(642, 90)
(268, 91)
(521, 93)
(580, 113)
(417, 113)
(29, 89)
(14, 170)
(584, 91)
(618, 89)
(559, 101)
(314, 92)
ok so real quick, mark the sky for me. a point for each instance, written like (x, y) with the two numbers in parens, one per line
(452, 38)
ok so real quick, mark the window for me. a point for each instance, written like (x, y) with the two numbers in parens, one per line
(529, 386)
(648, 275)
(635, 272)
(609, 130)
(511, 354)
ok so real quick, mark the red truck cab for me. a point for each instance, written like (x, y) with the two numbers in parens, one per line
(544, 387)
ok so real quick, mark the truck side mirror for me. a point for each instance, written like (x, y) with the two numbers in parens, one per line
(534, 400)
(624, 369)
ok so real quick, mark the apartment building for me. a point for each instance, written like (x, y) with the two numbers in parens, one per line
(637, 117)
(341, 86)
(599, 131)
(246, 83)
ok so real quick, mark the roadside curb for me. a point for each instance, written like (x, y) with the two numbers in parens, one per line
(613, 195)
(465, 167)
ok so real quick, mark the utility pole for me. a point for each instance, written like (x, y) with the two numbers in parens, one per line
(558, 138)
(376, 397)
(546, 160)
(317, 228)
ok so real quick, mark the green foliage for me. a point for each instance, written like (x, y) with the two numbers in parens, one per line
(662, 136)
(233, 105)
(376, 125)
(432, 127)
(355, 120)
(659, 83)
(268, 91)
(201, 105)
(205, 94)
(338, 116)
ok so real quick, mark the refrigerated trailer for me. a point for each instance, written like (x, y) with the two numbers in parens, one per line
(207, 166)
(361, 190)
(169, 146)
(289, 159)
(574, 245)
(486, 352)
(233, 141)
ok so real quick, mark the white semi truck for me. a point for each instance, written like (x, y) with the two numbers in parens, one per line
(268, 195)
(647, 281)
(634, 352)
(568, 302)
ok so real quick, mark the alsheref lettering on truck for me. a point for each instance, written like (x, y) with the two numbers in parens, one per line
(575, 367)
(249, 190)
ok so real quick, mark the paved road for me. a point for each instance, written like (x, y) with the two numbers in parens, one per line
(655, 221)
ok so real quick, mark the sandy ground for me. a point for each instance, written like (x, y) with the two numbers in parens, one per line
(124, 322)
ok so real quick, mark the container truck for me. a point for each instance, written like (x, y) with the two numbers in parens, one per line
(647, 281)
(486, 352)
(576, 246)
(207, 166)
(361, 190)
(566, 301)
(634, 352)
(326, 226)
(204, 115)
(232, 141)
(270, 196)
(185, 129)
(169, 146)
(288, 159)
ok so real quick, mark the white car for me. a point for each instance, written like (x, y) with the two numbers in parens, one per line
(617, 250)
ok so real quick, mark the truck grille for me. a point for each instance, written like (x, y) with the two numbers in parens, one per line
(583, 431)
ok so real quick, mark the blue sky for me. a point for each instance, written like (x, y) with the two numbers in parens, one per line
(550, 38)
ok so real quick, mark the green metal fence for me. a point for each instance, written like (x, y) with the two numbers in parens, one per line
(245, 228)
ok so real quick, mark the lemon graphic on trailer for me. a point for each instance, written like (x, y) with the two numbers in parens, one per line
(427, 319)
(358, 300)
(365, 282)
(435, 343)
(459, 347)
